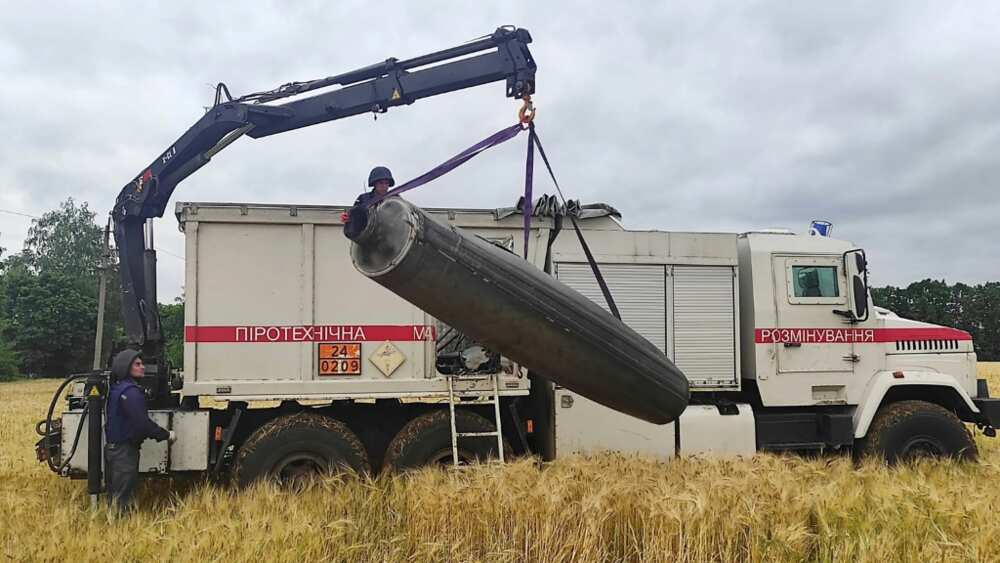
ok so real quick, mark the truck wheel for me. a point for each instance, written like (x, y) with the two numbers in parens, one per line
(910, 430)
(426, 440)
(291, 449)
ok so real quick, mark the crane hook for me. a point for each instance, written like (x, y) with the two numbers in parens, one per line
(526, 114)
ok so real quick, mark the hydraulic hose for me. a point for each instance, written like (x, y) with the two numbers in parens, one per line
(76, 441)
(48, 419)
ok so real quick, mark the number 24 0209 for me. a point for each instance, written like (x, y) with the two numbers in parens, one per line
(340, 366)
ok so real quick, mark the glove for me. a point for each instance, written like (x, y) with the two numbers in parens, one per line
(172, 438)
(345, 218)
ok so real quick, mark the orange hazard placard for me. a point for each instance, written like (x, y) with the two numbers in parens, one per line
(340, 358)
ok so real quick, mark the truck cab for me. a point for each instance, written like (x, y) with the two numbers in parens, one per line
(812, 339)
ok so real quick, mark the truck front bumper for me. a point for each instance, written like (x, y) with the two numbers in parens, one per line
(989, 411)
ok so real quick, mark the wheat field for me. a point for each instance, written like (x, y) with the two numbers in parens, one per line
(604, 508)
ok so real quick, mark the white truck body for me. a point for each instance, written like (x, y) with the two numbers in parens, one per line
(266, 284)
(270, 289)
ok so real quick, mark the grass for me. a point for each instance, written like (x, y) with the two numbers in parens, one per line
(991, 371)
(606, 508)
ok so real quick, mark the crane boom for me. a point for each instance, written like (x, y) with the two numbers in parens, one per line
(502, 55)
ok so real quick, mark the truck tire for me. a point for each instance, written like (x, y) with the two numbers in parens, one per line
(426, 440)
(909, 430)
(295, 447)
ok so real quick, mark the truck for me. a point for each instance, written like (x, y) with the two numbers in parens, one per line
(317, 366)
(296, 363)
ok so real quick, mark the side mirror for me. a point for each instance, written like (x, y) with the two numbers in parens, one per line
(856, 268)
(860, 260)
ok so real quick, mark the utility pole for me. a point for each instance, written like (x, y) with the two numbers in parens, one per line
(95, 387)
(103, 273)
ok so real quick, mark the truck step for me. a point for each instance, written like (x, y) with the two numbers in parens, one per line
(477, 377)
(784, 447)
(803, 429)
(491, 462)
(474, 434)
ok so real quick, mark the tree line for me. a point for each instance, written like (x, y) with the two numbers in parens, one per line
(49, 294)
(972, 308)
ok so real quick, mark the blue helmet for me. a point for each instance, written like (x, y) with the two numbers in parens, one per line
(380, 173)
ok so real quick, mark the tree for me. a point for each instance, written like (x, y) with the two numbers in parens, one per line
(8, 357)
(172, 325)
(48, 293)
(981, 309)
(66, 241)
(9, 362)
(50, 322)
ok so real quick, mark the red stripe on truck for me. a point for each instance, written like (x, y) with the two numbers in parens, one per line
(855, 335)
(309, 333)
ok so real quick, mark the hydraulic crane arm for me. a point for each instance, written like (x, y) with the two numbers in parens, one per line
(502, 55)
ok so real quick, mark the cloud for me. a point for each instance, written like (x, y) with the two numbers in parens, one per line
(697, 116)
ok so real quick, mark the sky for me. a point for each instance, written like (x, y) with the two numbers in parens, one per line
(883, 118)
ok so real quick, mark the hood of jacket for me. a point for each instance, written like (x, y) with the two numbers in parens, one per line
(120, 365)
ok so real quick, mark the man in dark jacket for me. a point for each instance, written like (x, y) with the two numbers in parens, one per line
(128, 425)
(379, 180)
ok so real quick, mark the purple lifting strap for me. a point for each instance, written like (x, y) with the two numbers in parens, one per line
(493, 140)
(608, 298)
(529, 171)
(454, 162)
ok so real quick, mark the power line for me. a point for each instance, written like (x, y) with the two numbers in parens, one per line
(28, 215)
(19, 213)
(168, 253)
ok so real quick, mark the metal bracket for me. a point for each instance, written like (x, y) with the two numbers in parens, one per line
(227, 440)
(522, 436)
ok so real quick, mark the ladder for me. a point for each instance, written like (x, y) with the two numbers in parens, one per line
(481, 398)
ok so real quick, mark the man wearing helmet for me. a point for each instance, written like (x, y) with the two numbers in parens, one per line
(379, 180)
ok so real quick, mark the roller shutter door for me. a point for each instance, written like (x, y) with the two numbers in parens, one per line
(638, 290)
(704, 321)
